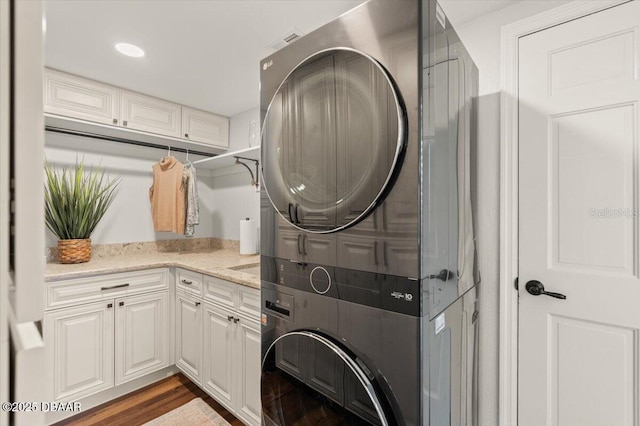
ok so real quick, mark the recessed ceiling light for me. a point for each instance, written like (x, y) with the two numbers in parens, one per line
(129, 50)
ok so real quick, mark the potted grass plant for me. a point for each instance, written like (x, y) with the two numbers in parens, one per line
(75, 202)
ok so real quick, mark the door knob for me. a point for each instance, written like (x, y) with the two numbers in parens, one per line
(536, 288)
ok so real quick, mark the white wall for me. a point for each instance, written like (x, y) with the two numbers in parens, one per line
(129, 217)
(482, 38)
(225, 195)
(233, 198)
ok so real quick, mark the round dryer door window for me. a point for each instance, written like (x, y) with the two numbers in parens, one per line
(332, 140)
(309, 380)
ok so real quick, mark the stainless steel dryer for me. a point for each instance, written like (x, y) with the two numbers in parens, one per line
(367, 244)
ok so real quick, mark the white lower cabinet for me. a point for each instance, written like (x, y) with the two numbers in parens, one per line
(231, 369)
(219, 374)
(81, 343)
(189, 335)
(142, 337)
(248, 370)
(230, 344)
(106, 330)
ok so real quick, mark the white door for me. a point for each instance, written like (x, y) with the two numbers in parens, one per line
(248, 370)
(142, 335)
(579, 100)
(80, 341)
(140, 112)
(219, 338)
(23, 376)
(189, 335)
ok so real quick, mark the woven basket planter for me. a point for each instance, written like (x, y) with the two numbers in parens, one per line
(74, 251)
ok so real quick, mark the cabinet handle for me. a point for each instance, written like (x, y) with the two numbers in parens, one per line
(115, 121)
(295, 211)
(121, 304)
(299, 238)
(229, 318)
(115, 286)
(187, 282)
(236, 320)
(304, 245)
(124, 123)
(186, 135)
(110, 305)
(197, 303)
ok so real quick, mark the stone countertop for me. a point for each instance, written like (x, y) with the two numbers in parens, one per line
(212, 262)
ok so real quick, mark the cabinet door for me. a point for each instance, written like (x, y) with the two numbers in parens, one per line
(188, 335)
(218, 348)
(79, 345)
(76, 97)
(140, 112)
(142, 335)
(248, 371)
(205, 127)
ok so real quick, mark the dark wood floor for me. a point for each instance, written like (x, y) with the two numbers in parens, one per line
(148, 403)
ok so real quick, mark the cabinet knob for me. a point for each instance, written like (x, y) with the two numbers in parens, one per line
(121, 304)
(197, 303)
(186, 135)
(229, 318)
(110, 305)
(236, 320)
(115, 121)
(124, 123)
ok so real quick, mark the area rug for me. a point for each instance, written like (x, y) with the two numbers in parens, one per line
(194, 413)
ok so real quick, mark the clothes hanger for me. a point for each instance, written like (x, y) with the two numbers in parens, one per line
(187, 162)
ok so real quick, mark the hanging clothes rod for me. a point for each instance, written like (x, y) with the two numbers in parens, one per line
(125, 141)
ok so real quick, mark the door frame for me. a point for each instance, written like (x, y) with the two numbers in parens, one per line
(508, 269)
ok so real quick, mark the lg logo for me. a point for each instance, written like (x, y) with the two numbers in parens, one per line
(267, 65)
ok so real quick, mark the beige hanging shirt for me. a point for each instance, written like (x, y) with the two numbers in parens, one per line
(167, 195)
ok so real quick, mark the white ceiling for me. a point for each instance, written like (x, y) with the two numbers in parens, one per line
(202, 53)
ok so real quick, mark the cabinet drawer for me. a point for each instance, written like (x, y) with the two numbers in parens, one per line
(220, 291)
(190, 282)
(90, 289)
(249, 302)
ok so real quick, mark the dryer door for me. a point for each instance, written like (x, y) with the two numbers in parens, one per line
(332, 141)
(308, 379)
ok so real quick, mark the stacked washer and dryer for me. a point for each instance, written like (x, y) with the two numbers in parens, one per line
(369, 278)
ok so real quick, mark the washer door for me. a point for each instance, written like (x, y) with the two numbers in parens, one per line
(308, 379)
(332, 140)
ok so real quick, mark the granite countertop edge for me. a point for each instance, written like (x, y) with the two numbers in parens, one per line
(222, 272)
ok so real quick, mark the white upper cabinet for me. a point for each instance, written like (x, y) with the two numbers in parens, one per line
(205, 127)
(86, 106)
(76, 97)
(140, 112)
